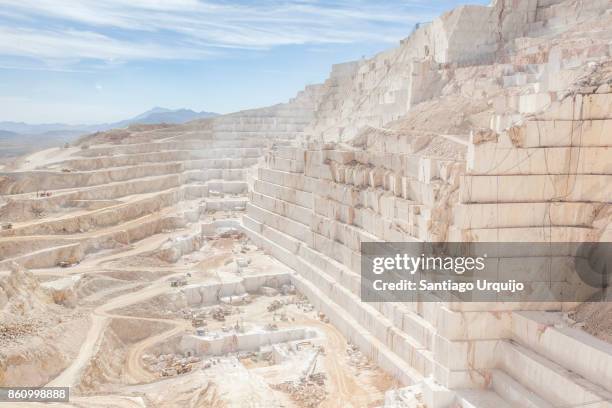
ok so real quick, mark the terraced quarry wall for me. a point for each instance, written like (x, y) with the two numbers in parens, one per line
(527, 160)
(65, 203)
(313, 208)
(489, 124)
(378, 90)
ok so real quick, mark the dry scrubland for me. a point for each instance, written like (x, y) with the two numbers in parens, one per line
(216, 263)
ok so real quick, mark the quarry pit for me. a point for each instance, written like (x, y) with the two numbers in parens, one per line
(217, 263)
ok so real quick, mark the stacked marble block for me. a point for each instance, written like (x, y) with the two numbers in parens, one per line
(547, 179)
(381, 89)
(281, 123)
(277, 125)
(462, 345)
(312, 209)
(145, 187)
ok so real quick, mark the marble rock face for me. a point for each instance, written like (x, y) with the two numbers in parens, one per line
(488, 124)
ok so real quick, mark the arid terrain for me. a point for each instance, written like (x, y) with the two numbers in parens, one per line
(217, 263)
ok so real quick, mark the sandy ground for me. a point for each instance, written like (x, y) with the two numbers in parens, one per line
(595, 319)
(136, 299)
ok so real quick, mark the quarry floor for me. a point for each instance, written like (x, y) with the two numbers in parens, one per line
(132, 315)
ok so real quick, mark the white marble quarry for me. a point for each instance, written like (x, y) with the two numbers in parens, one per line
(375, 91)
(209, 294)
(220, 343)
(488, 124)
(543, 175)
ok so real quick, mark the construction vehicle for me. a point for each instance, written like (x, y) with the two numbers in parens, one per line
(68, 263)
(178, 282)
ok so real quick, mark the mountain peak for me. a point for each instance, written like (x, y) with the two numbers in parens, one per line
(152, 111)
(164, 115)
(155, 115)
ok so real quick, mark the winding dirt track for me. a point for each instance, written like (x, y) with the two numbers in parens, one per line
(135, 373)
(344, 389)
(101, 317)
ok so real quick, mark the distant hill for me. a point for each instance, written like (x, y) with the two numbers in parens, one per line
(5, 134)
(39, 129)
(152, 116)
(163, 115)
(20, 137)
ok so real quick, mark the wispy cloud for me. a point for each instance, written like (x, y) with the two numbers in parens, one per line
(52, 44)
(119, 30)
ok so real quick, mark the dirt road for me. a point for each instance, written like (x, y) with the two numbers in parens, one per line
(101, 317)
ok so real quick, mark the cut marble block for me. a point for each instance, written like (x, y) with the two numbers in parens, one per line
(288, 165)
(510, 215)
(536, 188)
(580, 107)
(299, 197)
(285, 179)
(534, 103)
(553, 382)
(525, 234)
(515, 393)
(490, 159)
(547, 334)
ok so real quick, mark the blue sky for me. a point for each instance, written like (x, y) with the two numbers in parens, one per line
(89, 61)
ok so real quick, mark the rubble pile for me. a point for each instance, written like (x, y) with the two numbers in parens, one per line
(13, 332)
(303, 304)
(275, 305)
(260, 358)
(307, 393)
(169, 365)
(219, 312)
(357, 359)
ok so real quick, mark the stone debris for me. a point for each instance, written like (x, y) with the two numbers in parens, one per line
(178, 282)
(271, 327)
(236, 300)
(303, 304)
(268, 291)
(220, 312)
(169, 365)
(594, 318)
(260, 358)
(198, 320)
(287, 290)
(275, 305)
(307, 393)
(357, 359)
(232, 233)
(407, 397)
(322, 317)
(11, 332)
(243, 262)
